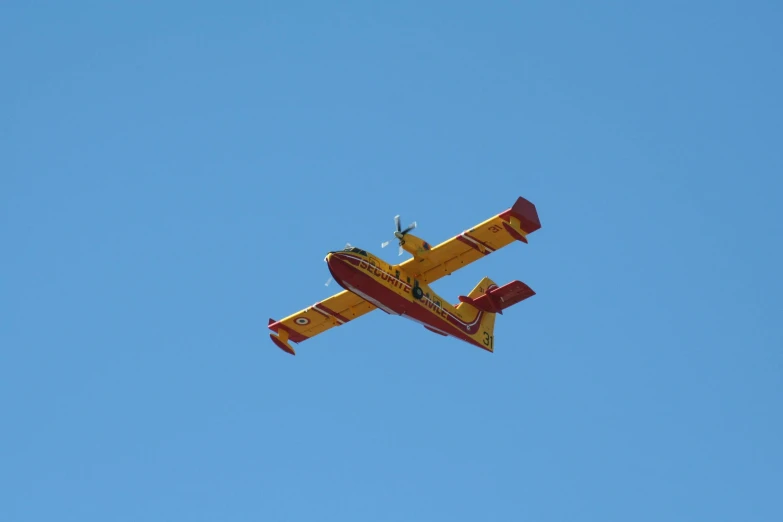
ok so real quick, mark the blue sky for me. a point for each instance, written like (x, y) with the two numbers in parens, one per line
(172, 174)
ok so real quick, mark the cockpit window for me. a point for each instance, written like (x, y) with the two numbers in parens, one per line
(355, 250)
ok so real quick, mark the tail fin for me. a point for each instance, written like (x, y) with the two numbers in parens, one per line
(486, 330)
(488, 299)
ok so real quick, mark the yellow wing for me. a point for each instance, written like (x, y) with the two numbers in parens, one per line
(483, 239)
(316, 319)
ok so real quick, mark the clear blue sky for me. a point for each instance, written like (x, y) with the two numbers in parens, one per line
(173, 173)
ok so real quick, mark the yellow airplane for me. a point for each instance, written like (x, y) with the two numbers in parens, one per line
(404, 290)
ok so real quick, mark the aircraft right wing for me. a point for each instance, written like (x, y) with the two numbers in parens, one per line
(483, 239)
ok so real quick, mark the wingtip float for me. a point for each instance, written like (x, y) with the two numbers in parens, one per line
(404, 289)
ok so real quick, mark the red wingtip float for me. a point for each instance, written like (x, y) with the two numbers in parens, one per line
(403, 289)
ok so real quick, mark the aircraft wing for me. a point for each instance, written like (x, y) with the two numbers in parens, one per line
(483, 239)
(313, 320)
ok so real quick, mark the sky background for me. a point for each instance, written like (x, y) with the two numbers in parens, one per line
(173, 173)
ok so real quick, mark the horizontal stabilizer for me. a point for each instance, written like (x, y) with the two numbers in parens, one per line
(498, 299)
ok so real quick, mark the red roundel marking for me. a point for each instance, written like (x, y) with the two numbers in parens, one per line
(301, 321)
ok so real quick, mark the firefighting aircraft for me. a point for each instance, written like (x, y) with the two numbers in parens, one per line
(403, 289)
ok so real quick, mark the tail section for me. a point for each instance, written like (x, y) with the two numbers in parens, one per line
(488, 299)
(484, 335)
(495, 299)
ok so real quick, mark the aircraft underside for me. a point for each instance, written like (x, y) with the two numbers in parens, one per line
(403, 289)
(345, 270)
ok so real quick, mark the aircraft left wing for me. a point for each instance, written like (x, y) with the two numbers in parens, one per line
(313, 320)
(473, 244)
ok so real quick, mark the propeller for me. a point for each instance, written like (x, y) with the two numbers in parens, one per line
(399, 233)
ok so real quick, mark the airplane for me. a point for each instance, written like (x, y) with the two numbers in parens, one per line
(404, 289)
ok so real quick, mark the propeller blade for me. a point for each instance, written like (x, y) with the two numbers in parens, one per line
(410, 227)
(348, 245)
(397, 222)
(385, 244)
(401, 251)
(328, 281)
